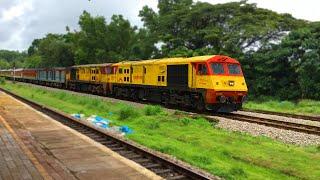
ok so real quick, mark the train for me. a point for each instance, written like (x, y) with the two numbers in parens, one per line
(213, 82)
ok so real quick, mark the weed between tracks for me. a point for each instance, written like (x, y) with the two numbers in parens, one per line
(230, 155)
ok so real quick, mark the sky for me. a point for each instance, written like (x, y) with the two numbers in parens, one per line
(21, 21)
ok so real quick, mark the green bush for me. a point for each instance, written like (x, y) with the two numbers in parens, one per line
(152, 110)
(127, 112)
(185, 121)
(2, 80)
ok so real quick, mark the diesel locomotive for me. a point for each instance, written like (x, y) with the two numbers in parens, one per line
(212, 82)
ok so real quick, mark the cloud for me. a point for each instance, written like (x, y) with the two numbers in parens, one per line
(12, 23)
(21, 21)
(16, 11)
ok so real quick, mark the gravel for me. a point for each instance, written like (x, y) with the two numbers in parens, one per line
(280, 118)
(283, 135)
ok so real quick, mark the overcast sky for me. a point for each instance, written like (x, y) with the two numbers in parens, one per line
(21, 21)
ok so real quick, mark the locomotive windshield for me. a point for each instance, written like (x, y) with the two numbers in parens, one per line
(217, 68)
(221, 68)
(234, 69)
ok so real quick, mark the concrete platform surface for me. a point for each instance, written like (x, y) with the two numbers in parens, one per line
(34, 146)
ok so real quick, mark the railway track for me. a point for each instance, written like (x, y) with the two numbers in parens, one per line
(263, 121)
(161, 166)
(274, 123)
(296, 116)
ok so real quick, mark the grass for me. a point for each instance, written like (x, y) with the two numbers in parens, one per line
(230, 155)
(2, 81)
(308, 107)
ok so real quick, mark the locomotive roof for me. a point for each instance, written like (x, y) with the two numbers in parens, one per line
(181, 60)
(167, 60)
(178, 60)
(92, 65)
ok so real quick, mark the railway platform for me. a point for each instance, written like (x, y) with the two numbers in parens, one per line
(34, 146)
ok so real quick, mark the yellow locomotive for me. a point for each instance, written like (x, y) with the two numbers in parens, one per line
(203, 82)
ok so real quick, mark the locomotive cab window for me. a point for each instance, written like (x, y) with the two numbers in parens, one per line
(217, 68)
(202, 69)
(234, 69)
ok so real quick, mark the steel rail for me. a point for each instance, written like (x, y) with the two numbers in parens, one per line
(296, 116)
(274, 123)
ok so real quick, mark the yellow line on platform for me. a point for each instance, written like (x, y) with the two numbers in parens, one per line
(34, 160)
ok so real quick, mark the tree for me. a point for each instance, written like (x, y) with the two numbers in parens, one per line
(303, 53)
(33, 48)
(55, 51)
(33, 61)
(4, 64)
(99, 42)
(91, 44)
(230, 28)
(289, 70)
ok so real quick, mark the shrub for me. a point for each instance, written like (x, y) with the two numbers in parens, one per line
(127, 112)
(185, 121)
(152, 110)
(2, 80)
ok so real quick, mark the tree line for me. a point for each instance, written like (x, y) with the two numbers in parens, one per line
(280, 54)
